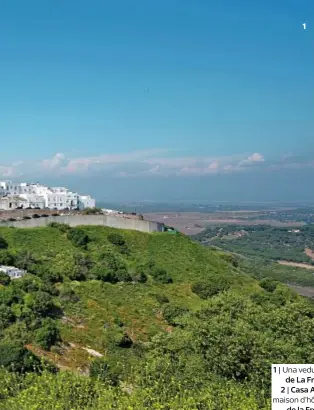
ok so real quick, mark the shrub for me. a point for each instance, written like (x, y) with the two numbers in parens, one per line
(230, 258)
(61, 227)
(207, 289)
(161, 299)
(123, 275)
(41, 303)
(140, 277)
(52, 277)
(6, 258)
(25, 260)
(78, 237)
(160, 275)
(91, 211)
(68, 295)
(121, 339)
(6, 316)
(116, 239)
(111, 269)
(171, 312)
(101, 369)
(104, 274)
(268, 284)
(3, 243)
(15, 357)
(48, 334)
(4, 278)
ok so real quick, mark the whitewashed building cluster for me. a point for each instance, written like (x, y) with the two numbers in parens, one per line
(29, 195)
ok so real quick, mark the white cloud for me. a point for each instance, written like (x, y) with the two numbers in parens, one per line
(156, 162)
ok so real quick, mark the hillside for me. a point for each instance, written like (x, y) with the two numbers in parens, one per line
(153, 319)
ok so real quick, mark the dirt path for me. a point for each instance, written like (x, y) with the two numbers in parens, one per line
(303, 290)
(297, 265)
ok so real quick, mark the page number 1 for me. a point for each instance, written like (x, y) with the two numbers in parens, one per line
(304, 26)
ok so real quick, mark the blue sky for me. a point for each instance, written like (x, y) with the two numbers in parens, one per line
(169, 94)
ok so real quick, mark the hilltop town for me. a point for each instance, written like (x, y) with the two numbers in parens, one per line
(26, 195)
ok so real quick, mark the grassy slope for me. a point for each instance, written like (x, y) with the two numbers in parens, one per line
(133, 304)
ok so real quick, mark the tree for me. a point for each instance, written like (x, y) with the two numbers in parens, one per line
(68, 295)
(48, 334)
(25, 260)
(15, 357)
(6, 258)
(4, 278)
(209, 288)
(6, 316)
(41, 303)
(111, 268)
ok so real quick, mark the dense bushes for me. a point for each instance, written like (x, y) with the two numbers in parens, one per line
(268, 284)
(6, 317)
(161, 275)
(78, 237)
(6, 258)
(4, 278)
(48, 334)
(172, 312)
(14, 357)
(210, 352)
(162, 298)
(116, 239)
(119, 241)
(111, 268)
(211, 287)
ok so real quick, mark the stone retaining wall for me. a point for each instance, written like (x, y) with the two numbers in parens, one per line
(121, 222)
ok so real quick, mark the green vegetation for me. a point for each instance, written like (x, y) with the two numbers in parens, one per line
(262, 241)
(257, 250)
(167, 324)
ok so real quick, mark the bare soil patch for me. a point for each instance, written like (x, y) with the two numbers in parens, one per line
(192, 223)
(297, 265)
(309, 253)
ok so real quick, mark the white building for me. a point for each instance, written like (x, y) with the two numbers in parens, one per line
(86, 201)
(13, 272)
(12, 202)
(33, 201)
(42, 196)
